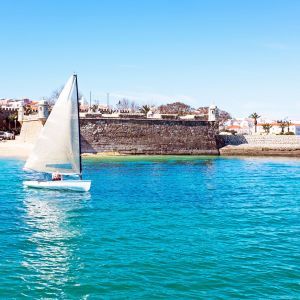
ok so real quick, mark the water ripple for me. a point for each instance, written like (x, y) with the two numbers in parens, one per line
(157, 227)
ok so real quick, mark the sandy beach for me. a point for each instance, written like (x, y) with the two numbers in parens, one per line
(18, 149)
(15, 148)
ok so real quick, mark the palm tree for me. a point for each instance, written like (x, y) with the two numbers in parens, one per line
(94, 108)
(288, 124)
(145, 109)
(267, 127)
(255, 116)
(282, 124)
(12, 117)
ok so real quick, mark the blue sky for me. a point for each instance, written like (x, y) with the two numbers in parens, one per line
(242, 55)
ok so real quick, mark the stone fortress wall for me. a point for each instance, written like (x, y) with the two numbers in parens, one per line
(260, 140)
(260, 145)
(30, 131)
(148, 136)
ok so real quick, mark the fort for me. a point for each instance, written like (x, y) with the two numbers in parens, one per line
(149, 136)
(129, 135)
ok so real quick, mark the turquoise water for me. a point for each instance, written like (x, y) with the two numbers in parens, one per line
(159, 228)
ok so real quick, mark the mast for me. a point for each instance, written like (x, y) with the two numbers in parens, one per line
(80, 163)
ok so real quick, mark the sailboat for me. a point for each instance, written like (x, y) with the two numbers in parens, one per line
(58, 149)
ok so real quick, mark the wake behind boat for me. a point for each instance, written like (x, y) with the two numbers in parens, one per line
(58, 149)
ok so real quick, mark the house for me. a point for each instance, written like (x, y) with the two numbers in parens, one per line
(240, 125)
(294, 127)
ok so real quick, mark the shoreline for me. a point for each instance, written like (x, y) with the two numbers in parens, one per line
(20, 150)
(264, 151)
(15, 149)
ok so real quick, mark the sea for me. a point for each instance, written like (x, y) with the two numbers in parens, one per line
(158, 227)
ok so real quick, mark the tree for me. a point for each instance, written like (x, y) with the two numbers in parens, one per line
(123, 104)
(94, 108)
(127, 105)
(55, 94)
(255, 116)
(223, 116)
(203, 110)
(178, 108)
(282, 124)
(134, 106)
(267, 127)
(145, 109)
(12, 117)
(27, 110)
(288, 124)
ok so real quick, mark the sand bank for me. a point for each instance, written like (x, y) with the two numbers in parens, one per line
(266, 150)
(103, 154)
(22, 150)
(15, 148)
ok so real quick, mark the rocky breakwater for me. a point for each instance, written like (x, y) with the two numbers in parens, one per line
(260, 145)
(148, 136)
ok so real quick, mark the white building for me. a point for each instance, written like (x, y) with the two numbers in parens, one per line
(246, 126)
(13, 104)
(294, 127)
(240, 125)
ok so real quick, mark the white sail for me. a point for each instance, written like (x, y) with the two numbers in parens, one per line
(58, 146)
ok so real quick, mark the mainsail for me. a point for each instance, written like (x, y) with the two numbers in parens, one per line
(58, 145)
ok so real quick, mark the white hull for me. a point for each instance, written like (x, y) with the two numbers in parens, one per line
(71, 185)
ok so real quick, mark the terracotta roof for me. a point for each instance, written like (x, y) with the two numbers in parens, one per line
(276, 124)
(233, 127)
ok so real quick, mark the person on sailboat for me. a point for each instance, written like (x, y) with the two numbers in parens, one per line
(56, 176)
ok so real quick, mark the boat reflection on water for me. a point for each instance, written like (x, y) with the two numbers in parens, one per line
(54, 228)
